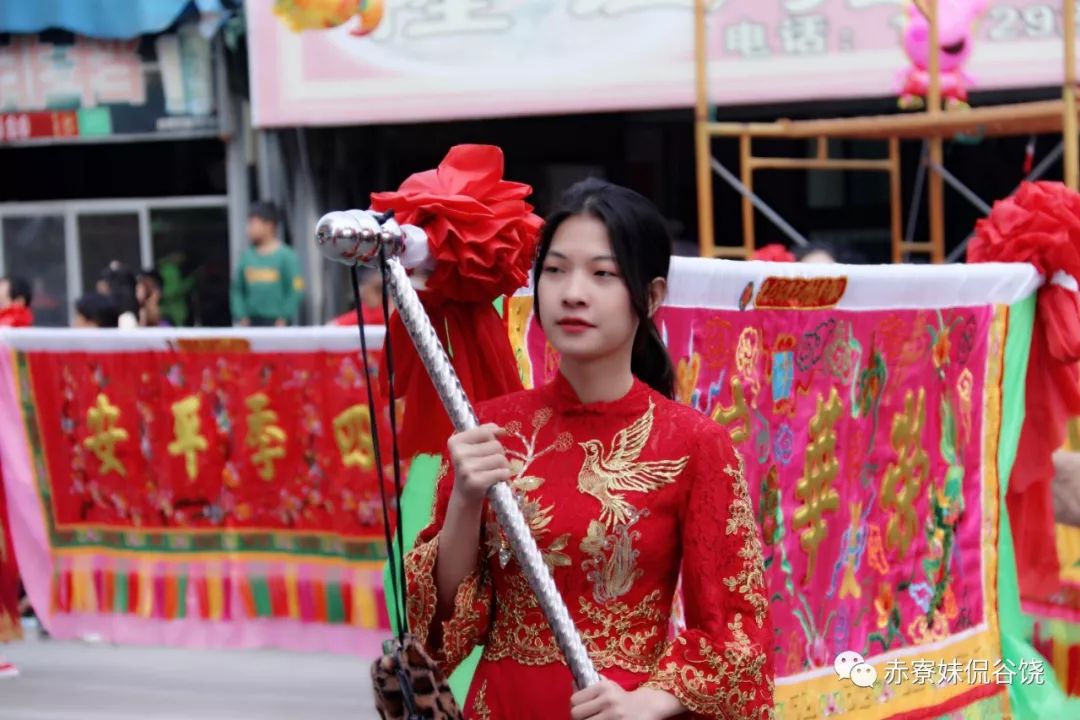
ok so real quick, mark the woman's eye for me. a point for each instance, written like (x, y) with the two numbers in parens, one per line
(605, 273)
(551, 269)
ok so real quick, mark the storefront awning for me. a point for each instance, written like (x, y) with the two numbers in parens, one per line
(99, 18)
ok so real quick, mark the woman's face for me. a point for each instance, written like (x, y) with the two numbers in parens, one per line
(584, 303)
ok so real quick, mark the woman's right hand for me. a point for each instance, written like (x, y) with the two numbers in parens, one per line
(479, 461)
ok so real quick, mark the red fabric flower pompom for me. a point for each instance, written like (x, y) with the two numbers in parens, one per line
(773, 253)
(1040, 224)
(482, 235)
(481, 232)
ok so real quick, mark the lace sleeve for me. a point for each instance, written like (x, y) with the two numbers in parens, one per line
(720, 666)
(448, 639)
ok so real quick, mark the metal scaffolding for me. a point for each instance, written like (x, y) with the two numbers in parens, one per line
(933, 126)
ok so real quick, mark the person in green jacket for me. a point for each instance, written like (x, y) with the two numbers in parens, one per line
(267, 287)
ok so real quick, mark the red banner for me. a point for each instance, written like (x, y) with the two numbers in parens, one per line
(225, 439)
(37, 125)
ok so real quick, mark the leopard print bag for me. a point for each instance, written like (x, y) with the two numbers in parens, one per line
(410, 686)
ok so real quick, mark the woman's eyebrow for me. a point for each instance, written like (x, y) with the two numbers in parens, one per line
(597, 258)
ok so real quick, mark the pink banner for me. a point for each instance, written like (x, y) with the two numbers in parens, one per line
(316, 63)
(870, 441)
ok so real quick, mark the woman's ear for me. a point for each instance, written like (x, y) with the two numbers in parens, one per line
(657, 293)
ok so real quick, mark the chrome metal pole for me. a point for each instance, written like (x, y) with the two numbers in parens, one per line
(355, 236)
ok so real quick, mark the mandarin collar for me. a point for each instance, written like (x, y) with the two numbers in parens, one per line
(563, 396)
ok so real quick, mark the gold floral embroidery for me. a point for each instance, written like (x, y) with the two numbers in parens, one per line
(537, 516)
(519, 630)
(711, 683)
(480, 709)
(602, 476)
(615, 634)
(750, 580)
(420, 580)
(463, 631)
(624, 636)
(612, 575)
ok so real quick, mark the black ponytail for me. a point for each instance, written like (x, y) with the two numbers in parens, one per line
(642, 246)
(651, 362)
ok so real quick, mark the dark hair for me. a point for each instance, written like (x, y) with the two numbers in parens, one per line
(264, 211)
(19, 287)
(99, 308)
(121, 282)
(642, 247)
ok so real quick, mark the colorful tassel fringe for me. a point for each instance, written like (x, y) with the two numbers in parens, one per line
(214, 596)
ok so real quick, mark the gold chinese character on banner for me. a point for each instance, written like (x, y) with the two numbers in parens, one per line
(104, 435)
(189, 442)
(815, 488)
(102, 419)
(905, 478)
(738, 411)
(263, 433)
(352, 430)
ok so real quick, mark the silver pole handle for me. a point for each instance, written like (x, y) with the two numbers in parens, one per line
(355, 236)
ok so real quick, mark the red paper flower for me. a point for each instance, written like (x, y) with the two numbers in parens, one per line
(773, 253)
(481, 232)
(482, 235)
(1039, 224)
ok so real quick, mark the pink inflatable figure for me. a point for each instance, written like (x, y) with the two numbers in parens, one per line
(956, 20)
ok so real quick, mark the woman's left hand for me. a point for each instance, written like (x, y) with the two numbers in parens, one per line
(608, 701)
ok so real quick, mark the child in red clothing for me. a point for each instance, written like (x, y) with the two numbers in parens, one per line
(15, 298)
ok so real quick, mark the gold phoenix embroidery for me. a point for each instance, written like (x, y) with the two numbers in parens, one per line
(611, 563)
(603, 476)
(612, 575)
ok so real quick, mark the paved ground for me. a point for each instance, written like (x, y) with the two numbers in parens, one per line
(79, 681)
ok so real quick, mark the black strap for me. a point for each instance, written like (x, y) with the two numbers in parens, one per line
(398, 580)
(389, 349)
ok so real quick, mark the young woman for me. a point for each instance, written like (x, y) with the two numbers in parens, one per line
(622, 488)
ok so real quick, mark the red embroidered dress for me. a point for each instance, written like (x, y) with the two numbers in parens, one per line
(616, 494)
